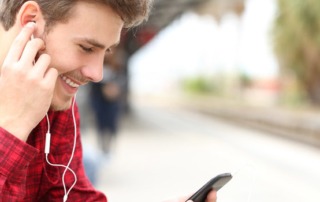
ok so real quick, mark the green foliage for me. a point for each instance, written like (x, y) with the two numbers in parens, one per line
(245, 80)
(197, 85)
(296, 37)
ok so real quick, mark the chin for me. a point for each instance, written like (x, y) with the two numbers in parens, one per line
(60, 105)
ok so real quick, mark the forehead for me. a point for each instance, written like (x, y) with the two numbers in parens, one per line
(93, 20)
(95, 11)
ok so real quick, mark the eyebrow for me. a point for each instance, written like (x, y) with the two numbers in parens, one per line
(94, 43)
(97, 44)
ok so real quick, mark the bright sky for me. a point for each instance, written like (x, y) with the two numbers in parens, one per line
(194, 45)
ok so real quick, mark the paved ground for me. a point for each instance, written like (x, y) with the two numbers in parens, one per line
(164, 152)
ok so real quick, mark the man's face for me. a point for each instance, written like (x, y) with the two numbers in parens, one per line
(77, 49)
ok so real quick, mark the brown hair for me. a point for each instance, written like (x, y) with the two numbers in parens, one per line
(132, 12)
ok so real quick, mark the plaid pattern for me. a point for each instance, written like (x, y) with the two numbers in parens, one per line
(24, 174)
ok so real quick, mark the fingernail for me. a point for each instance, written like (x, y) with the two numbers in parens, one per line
(30, 24)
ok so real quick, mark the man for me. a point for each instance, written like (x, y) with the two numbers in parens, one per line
(49, 48)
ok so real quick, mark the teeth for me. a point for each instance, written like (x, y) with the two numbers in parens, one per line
(69, 82)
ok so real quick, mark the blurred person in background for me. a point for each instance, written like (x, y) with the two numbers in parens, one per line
(49, 48)
(106, 100)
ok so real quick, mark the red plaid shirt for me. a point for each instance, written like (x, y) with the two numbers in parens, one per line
(26, 176)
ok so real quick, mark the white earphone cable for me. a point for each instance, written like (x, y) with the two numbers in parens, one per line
(72, 153)
(47, 151)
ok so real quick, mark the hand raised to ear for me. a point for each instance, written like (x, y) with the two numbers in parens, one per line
(26, 87)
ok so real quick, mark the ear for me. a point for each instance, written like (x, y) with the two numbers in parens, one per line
(30, 12)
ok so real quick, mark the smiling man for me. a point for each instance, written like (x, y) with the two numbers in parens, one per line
(49, 48)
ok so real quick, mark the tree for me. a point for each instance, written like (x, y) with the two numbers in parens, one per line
(296, 37)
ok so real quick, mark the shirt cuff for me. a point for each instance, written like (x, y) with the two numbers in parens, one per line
(14, 153)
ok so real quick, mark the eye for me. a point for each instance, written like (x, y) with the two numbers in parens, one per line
(86, 49)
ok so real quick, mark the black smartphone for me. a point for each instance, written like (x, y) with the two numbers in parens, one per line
(215, 183)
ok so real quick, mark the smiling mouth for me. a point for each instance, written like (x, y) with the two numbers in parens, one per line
(69, 82)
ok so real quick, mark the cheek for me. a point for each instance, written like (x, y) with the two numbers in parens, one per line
(64, 60)
(63, 57)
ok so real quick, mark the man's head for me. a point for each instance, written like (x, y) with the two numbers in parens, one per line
(77, 35)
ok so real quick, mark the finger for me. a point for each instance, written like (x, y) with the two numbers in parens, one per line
(50, 77)
(212, 196)
(31, 50)
(19, 43)
(42, 64)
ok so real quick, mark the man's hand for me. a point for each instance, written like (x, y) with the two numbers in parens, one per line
(26, 86)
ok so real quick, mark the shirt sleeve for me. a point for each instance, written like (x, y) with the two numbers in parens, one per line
(15, 155)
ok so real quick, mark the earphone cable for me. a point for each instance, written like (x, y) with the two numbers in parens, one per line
(67, 167)
(72, 153)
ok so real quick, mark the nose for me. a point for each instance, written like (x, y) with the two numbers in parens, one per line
(93, 70)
